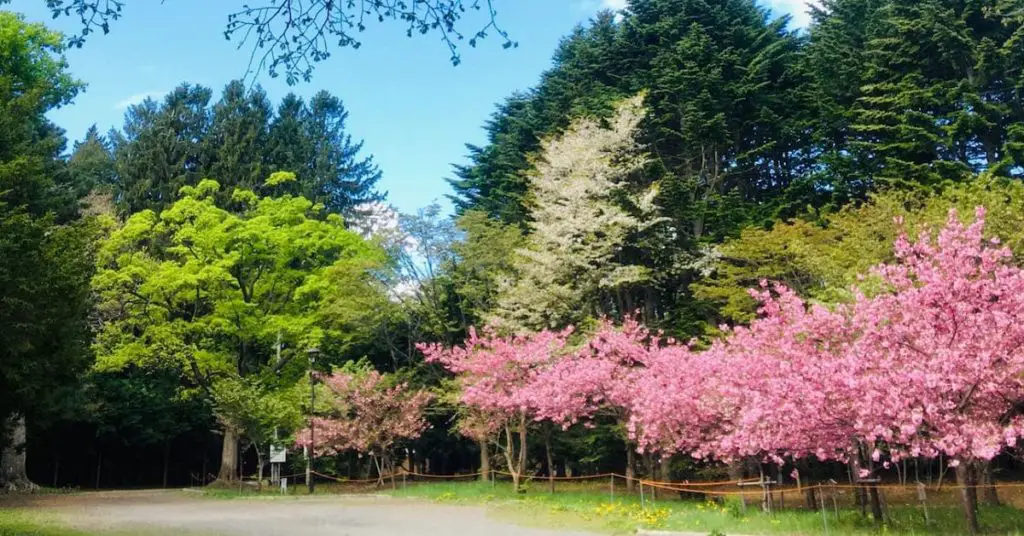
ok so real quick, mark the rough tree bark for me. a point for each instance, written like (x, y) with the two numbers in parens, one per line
(516, 460)
(228, 457)
(966, 478)
(735, 469)
(259, 470)
(485, 460)
(99, 467)
(988, 490)
(630, 471)
(664, 471)
(167, 460)
(13, 476)
(866, 489)
(550, 460)
(876, 505)
(522, 448)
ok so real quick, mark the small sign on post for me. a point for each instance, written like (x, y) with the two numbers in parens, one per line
(278, 454)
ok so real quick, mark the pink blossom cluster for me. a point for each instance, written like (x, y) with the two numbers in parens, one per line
(368, 415)
(932, 363)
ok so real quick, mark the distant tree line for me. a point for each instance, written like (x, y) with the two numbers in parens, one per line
(186, 137)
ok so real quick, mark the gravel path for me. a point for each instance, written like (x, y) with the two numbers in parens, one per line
(176, 512)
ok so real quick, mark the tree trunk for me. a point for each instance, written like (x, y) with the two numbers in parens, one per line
(13, 476)
(522, 446)
(259, 470)
(485, 460)
(99, 467)
(664, 471)
(876, 505)
(965, 477)
(988, 490)
(650, 305)
(736, 473)
(810, 498)
(550, 459)
(630, 472)
(228, 457)
(56, 469)
(516, 461)
(736, 470)
(167, 460)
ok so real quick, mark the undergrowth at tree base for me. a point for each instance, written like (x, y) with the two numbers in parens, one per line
(596, 510)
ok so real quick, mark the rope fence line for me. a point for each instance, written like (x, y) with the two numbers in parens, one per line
(456, 475)
(572, 479)
(915, 486)
(820, 486)
(696, 484)
(705, 491)
(358, 481)
(622, 477)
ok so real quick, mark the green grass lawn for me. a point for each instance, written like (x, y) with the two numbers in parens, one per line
(22, 523)
(594, 510)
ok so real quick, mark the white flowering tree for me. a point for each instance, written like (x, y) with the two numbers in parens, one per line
(586, 203)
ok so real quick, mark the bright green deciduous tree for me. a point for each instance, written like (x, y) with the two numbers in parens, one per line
(211, 292)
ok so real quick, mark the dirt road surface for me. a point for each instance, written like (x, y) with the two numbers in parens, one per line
(179, 512)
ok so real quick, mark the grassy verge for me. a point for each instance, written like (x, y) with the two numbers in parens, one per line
(594, 510)
(22, 523)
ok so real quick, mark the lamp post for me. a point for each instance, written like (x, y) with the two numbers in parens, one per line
(312, 352)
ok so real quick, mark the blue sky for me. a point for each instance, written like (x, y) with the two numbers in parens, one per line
(414, 110)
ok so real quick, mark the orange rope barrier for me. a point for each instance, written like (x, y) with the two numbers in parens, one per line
(572, 478)
(913, 487)
(773, 489)
(695, 484)
(545, 477)
(623, 477)
(456, 475)
(356, 481)
(701, 491)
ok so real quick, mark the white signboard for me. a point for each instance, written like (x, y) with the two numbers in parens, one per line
(277, 454)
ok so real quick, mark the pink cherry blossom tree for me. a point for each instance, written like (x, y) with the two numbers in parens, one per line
(788, 388)
(493, 373)
(369, 413)
(596, 379)
(945, 348)
(931, 365)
